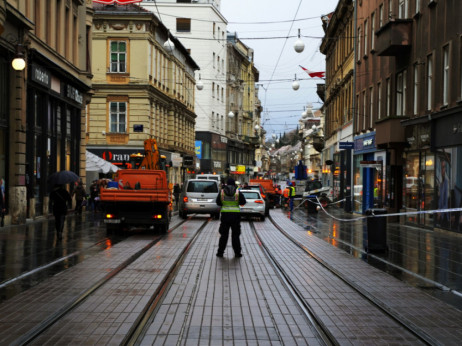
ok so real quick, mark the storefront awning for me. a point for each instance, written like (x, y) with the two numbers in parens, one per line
(97, 164)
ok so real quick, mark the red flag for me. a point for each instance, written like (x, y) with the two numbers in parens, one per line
(313, 74)
(122, 2)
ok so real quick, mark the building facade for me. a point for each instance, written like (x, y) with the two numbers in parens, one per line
(201, 28)
(244, 154)
(42, 119)
(338, 47)
(409, 92)
(143, 88)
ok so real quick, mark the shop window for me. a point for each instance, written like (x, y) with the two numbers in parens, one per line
(118, 57)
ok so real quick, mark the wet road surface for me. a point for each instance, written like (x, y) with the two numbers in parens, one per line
(427, 259)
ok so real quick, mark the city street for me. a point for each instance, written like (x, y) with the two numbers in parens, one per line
(426, 259)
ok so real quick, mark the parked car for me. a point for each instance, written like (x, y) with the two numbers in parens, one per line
(259, 188)
(198, 196)
(255, 206)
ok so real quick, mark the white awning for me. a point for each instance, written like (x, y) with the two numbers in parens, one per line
(97, 164)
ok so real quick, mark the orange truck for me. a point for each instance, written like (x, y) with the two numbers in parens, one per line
(139, 197)
(269, 188)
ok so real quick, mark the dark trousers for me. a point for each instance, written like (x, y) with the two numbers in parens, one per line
(233, 221)
(59, 223)
(78, 206)
(291, 203)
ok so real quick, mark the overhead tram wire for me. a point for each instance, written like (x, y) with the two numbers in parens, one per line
(282, 50)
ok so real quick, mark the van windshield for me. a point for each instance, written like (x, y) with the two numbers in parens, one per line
(202, 186)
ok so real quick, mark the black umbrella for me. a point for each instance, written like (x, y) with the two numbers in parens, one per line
(63, 177)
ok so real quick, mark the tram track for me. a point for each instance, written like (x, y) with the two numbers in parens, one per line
(325, 335)
(322, 330)
(31, 335)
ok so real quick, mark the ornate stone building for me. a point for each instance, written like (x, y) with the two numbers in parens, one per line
(144, 88)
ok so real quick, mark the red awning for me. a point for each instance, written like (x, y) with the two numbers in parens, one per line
(122, 2)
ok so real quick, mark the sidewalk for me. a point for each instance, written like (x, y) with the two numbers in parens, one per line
(429, 259)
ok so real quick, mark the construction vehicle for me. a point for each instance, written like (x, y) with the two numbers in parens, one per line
(270, 190)
(141, 195)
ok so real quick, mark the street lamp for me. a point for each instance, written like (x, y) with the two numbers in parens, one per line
(230, 114)
(299, 46)
(199, 84)
(295, 84)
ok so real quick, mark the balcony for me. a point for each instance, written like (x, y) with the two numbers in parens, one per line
(394, 37)
(389, 132)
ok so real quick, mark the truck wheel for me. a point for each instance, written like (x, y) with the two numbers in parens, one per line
(216, 216)
(262, 218)
(164, 228)
(183, 215)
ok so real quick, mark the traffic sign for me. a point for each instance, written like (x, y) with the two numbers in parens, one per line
(346, 145)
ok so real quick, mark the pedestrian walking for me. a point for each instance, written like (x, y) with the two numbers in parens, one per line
(94, 195)
(60, 198)
(230, 199)
(291, 196)
(176, 194)
(80, 197)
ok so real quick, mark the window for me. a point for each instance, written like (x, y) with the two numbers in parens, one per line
(359, 44)
(429, 82)
(183, 24)
(416, 88)
(118, 117)
(364, 109)
(401, 93)
(390, 9)
(366, 29)
(373, 31)
(371, 107)
(445, 75)
(379, 100)
(118, 56)
(388, 97)
(417, 6)
(403, 9)
(380, 15)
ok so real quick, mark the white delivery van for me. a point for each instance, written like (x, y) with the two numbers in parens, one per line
(215, 177)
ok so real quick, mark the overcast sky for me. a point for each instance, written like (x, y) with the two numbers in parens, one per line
(264, 26)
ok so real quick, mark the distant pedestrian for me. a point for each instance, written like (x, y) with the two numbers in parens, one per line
(230, 199)
(94, 195)
(80, 196)
(291, 196)
(60, 198)
(176, 194)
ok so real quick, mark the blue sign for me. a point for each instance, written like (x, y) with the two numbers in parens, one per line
(198, 149)
(346, 145)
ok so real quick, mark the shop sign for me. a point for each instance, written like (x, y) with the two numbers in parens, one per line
(224, 139)
(177, 160)
(216, 164)
(188, 160)
(240, 169)
(364, 144)
(198, 149)
(41, 76)
(73, 94)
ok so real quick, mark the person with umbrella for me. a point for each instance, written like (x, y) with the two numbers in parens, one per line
(60, 198)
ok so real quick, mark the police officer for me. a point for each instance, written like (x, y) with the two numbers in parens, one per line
(230, 199)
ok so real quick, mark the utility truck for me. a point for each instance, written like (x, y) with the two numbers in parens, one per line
(141, 196)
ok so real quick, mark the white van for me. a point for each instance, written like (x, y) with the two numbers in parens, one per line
(209, 177)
